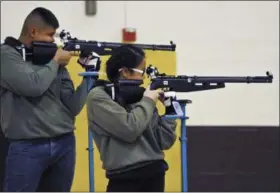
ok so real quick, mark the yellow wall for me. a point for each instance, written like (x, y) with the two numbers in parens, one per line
(166, 62)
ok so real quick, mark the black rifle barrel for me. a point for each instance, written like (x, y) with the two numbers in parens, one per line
(112, 45)
(229, 79)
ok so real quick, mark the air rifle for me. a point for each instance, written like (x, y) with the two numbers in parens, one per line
(104, 48)
(183, 83)
(43, 52)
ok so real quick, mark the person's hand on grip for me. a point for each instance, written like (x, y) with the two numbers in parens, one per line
(62, 57)
(153, 94)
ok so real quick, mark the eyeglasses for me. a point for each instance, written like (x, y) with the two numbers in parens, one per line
(142, 72)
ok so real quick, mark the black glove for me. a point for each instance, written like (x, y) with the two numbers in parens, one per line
(90, 61)
(169, 109)
(172, 107)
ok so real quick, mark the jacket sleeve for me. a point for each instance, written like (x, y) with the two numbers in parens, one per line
(115, 120)
(18, 77)
(73, 99)
(164, 131)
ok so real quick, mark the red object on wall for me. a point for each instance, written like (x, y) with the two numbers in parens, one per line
(128, 34)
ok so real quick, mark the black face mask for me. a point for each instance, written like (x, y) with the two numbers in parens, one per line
(125, 95)
(131, 94)
(40, 53)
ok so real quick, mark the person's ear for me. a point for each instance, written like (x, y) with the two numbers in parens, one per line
(33, 33)
(125, 72)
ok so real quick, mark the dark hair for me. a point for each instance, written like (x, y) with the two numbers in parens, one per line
(127, 56)
(40, 17)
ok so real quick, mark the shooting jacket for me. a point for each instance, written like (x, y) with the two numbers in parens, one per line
(127, 137)
(37, 101)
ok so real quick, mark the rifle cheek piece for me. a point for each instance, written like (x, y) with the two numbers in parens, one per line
(43, 52)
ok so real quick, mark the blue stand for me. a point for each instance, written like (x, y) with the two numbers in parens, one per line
(90, 81)
(89, 76)
(183, 138)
